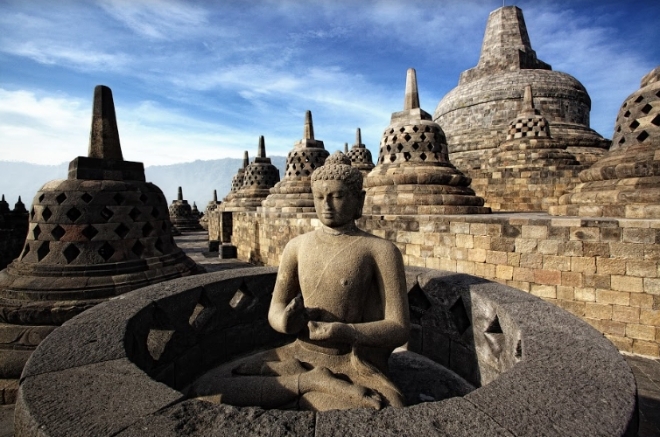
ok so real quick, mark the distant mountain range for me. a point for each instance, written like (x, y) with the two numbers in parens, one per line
(198, 179)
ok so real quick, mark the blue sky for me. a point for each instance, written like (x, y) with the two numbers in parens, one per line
(203, 79)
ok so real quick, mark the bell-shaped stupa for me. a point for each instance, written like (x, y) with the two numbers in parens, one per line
(293, 194)
(530, 170)
(100, 233)
(182, 215)
(359, 155)
(475, 115)
(236, 182)
(413, 174)
(259, 177)
(625, 182)
(210, 208)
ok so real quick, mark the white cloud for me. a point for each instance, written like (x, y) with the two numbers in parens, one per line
(41, 128)
(593, 54)
(158, 19)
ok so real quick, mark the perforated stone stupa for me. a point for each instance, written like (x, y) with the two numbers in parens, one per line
(293, 193)
(182, 215)
(237, 181)
(359, 155)
(101, 232)
(258, 178)
(475, 115)
(626, 181)
(531, 169)
(210, 208)
(413, 174)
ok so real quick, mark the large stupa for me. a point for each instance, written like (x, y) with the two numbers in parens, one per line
(475, 115)
(99, 233)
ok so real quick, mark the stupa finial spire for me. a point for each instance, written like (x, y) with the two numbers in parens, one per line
(261, 152)
(308, 133)
(215, 196)
(246, 159)
(528, 101)
(180, 194)
(345, 148)
(358, 137)
(412, 94)
(104, 135)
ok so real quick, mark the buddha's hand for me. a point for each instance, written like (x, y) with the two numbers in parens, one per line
(335, 331)
(295, 315)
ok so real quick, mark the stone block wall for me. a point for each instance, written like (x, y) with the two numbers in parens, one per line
(523, 189)
(605, 271)
(260, 237)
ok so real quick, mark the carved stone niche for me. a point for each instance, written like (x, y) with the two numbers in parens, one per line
(483, 359)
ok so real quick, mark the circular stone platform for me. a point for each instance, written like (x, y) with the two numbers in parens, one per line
(118, 368)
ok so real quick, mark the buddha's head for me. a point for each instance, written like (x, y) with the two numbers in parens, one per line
(337, 190)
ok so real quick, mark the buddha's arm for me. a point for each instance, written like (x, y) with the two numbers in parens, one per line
(393, 329)
(287, 313)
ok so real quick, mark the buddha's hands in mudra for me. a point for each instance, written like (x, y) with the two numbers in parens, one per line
(333, 331)
(297, 317)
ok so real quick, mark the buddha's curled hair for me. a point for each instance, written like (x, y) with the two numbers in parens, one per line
(337, 167)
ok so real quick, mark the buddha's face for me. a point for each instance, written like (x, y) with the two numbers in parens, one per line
(336, 204)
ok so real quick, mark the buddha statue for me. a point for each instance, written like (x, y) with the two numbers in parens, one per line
(342, 292)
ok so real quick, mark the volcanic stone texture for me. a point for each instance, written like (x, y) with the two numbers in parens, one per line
(121, 368)
(182, 215)
(413, 174)
(475, 114)
(531, 169)
(100, 233)
(626, 181)
(258, 178)
(293, 194)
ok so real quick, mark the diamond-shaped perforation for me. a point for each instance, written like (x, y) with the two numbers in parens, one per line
(106, 251)
(656, 120)
(36, 232)
(146, 229)
(154, 212)
(143, 198)
(32, 213)
(44, 249)
(242, 299)
(107, 213)
(634, 125)
(42, 197)
(639, 99)
(58, 232)
(90, 232)
(134, 214)
(642, 136)
(46, 214)
(122, 230)
(119, 198)
(71, 252)
(494, 326)
(647, 108)
(73, 214)
(60, 198)
(86, 197)
(418, 303)
(460, 316)
(138, 248)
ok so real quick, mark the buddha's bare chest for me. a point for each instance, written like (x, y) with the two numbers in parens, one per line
(336, 278)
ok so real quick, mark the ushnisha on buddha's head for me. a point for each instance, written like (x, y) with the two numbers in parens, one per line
(337, 190)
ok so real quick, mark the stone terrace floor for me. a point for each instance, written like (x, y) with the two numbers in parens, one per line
(646, 370)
